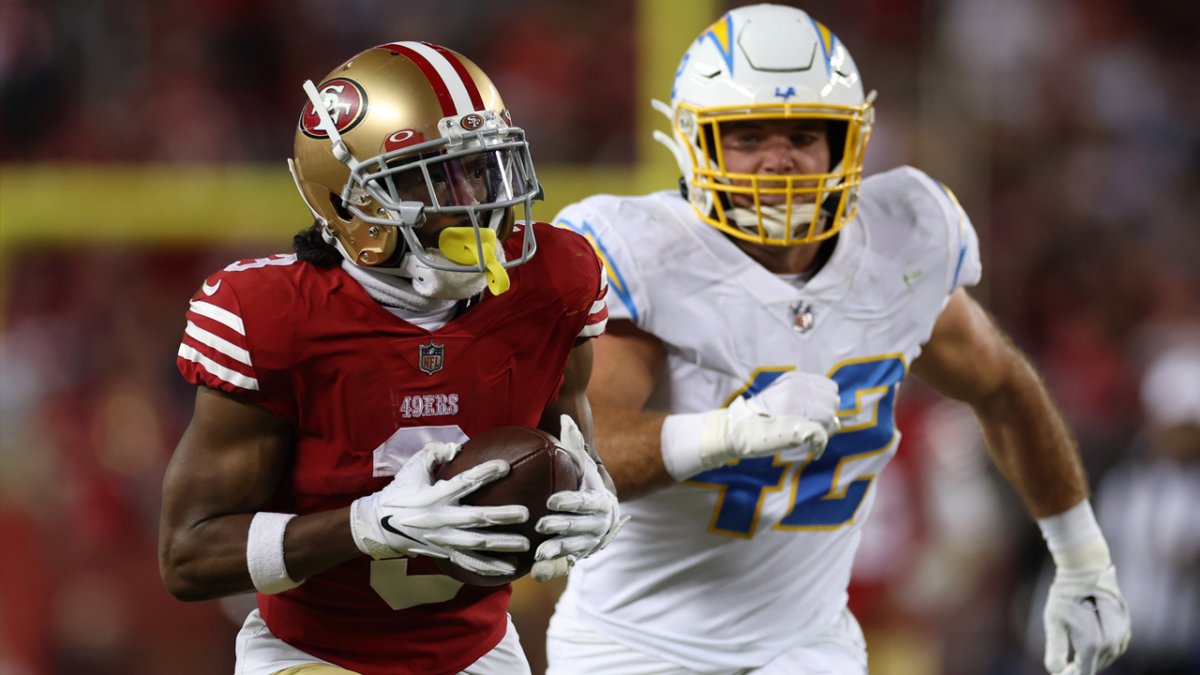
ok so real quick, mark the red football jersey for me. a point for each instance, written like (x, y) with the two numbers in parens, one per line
(364, 390)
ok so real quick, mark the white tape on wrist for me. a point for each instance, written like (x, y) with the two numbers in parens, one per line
(264, 553)
(695, 442)
(1075, 540)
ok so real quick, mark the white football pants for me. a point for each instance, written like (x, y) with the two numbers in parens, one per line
(573, 648)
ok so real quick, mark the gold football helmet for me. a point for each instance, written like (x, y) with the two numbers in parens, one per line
(404, 130)
(768, 62)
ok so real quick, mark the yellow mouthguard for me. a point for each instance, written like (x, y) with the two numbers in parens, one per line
(459, 245)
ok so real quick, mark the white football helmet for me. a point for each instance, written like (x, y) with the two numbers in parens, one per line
(403, 130)
(769, 62)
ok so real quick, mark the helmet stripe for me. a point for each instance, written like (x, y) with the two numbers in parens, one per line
(721, 34)
(827, 40)
(457, 64)
(454, 91)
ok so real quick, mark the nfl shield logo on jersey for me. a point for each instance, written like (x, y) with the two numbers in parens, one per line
(802, 317)
(431, 357)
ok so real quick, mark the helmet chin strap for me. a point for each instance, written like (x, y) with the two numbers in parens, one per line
(414, 285)
(431, 282)
(441, 284)
(773, 219)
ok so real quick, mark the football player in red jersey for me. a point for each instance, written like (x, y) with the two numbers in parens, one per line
(331, 383)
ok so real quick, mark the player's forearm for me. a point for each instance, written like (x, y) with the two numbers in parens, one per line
(629, 441)
(317, 542)
(1030, 443)
(206, 560)
(653, 450)
(209, 559)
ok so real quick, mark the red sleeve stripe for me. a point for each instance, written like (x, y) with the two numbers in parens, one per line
(217, 370)
(593, 329)
(599, 306)
(218, 314)
(455, 89)
(217, 343)
(598, 312)
(596, 320)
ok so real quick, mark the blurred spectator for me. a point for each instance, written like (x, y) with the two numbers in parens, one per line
(1147, 505)
(89, 408)
(209, 80)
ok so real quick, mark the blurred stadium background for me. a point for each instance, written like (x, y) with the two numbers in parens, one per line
(142, 146)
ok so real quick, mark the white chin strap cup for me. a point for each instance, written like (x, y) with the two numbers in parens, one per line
(442, 284)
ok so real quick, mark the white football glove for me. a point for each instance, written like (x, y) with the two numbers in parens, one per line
(796, 410)
(414, 515)
(1085, 612)
(796, 394)
(586, 520)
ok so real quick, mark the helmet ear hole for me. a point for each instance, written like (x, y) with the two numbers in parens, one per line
(340, 208)
(710, 141)
(835, 136)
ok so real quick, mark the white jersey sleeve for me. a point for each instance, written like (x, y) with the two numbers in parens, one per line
(962, 244)
(923, 239)
(593, 218)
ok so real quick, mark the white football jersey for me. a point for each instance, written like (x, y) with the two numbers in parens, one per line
(733, 566)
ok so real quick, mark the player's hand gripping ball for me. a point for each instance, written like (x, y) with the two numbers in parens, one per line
(539, 468)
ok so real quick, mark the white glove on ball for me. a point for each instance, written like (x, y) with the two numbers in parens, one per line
(414, 515)
(586, 520)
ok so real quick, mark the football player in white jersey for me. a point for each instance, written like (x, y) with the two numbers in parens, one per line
(760, 326)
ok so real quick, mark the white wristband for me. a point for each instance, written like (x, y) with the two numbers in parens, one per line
(695, 442)
(1074, 538)
(264, 553)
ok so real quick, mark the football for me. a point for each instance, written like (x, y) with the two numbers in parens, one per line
(539, 469)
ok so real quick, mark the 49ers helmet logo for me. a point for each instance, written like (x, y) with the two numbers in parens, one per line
(346, 103)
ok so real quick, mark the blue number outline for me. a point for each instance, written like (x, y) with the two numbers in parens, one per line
(728, 474)
(890, 383)
(758, 380)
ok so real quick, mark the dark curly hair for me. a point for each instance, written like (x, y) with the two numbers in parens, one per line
(312, 248)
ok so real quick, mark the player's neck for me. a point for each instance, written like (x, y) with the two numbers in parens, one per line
(803, 259)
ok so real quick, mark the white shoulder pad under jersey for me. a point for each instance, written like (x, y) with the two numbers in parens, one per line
(920, 219)
(731, 567)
